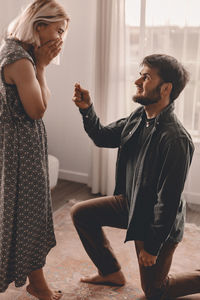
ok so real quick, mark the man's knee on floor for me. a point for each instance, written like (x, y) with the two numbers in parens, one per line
(152, 292)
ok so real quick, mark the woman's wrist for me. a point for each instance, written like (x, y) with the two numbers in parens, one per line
(40, 68)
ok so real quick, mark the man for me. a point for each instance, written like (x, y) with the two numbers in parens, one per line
(155, 152)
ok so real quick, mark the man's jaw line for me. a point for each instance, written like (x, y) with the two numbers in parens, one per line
(151, 109)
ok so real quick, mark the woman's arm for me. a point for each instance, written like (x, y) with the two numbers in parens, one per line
(22, 74)
(32, 87)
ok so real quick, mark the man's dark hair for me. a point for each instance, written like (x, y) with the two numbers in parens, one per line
(170, 70)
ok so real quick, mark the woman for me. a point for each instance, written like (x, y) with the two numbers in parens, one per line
(26, 226)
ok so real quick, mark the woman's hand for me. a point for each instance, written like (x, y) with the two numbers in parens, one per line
(81, 97)
(47, 52)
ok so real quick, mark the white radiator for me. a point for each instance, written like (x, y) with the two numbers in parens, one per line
(53, 170)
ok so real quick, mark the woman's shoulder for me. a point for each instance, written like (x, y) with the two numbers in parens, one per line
(11, 50)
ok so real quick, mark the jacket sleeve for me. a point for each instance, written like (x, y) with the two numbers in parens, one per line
(103, 136)
(175, 162)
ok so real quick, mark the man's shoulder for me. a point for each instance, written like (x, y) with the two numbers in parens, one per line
(172, 131)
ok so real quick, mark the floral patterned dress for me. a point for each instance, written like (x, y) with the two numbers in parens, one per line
(26, 226)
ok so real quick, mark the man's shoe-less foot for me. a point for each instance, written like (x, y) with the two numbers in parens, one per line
(116, 278)
(44, 294)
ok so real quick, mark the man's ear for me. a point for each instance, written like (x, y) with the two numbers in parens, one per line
(166, 88)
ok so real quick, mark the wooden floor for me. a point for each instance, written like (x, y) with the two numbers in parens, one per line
(193, 214)
(67, 190)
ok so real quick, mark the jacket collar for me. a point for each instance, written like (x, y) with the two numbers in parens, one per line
(163, 114)
(166, 111)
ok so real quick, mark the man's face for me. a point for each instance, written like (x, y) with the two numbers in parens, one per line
(148, 86)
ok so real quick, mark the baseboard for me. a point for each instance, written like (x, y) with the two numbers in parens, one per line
(73, 176)
(190, 197)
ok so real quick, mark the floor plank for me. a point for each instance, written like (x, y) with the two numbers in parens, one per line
(66, 190)
(193, 214)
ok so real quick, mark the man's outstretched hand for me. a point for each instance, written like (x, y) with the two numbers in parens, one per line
(81, 97)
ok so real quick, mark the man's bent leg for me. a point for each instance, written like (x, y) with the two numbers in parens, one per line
(154, 279)
(89, 217)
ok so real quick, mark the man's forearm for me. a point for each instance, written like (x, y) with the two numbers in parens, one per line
(103, 136)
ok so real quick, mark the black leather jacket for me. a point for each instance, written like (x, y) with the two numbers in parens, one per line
(156, 211)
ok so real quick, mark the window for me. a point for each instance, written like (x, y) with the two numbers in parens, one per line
(171, 27)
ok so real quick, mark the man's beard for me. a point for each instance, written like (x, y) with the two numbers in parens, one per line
(152, 97)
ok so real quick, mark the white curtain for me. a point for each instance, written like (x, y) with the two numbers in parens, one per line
(110, 86)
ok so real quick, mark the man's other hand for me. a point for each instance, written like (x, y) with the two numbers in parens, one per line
(146, 259)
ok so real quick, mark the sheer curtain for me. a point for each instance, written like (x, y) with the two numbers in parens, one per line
(110, 86)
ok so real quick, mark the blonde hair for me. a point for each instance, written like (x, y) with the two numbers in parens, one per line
(23, 28)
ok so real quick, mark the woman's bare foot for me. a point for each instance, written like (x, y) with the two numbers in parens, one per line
(46, 294)
(116, 278)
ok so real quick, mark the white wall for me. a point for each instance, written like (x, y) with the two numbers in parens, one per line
(66, 137)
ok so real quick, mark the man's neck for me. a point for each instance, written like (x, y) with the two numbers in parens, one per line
(154, 109)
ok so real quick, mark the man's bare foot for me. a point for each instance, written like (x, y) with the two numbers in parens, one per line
(43, 294)
(116, 278)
